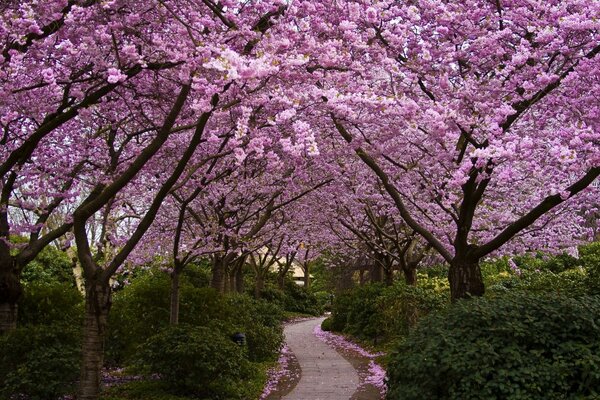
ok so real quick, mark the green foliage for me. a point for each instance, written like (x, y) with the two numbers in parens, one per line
(326, 324)
(40, 362)
(300, 299)
(197, 360)
(513, 347)
(50, 265)
(49, 302)
(260, 320)
(590, 258)
(142, 308)
(378, 313)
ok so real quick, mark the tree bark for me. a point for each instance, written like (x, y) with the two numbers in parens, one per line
(410, 275)
(307, 276)
(259, 285)
(465, 279)
(239, 279)
(174, 310)
(97, 306)
(376, 273)
(218, 275)
(389, 276)
(10, 292)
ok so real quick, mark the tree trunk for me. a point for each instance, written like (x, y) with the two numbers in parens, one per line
(239, 279)
(218, 275)
(10, 292)
(389, 276)
(259, 285)
(307, 276)
(376, 274)
(97, 306)
(465, 279)
(281, 281)
(410, 275)
(232, 278)
(174, 311)
(362, 279)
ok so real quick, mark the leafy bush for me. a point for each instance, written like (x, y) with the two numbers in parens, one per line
(50, 265)
(590, 258)
(39, 362)
(300, 299)
(326, 324)
(260, 321)
(142, 308)
(197, 360)
(378, 313)
(49, 302)
(511, 347)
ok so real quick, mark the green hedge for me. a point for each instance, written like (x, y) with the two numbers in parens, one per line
(382, 314)
(40, 362)
(512, 347)
(199, 361)
(142, 309)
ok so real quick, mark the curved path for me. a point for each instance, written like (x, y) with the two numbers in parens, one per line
(326, 375)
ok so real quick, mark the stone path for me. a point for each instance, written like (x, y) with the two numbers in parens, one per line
(326, 375)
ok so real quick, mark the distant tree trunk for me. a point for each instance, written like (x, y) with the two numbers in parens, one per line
(239, 279)
(344, 280)
(218, 274)
(465, 279)
(259, 285)
(362, 276)
(410, 274)
(376, 273)
(307, 275)
(232, 280)
(389, 276)
(97, 306)
(281, 281)
(174, 311)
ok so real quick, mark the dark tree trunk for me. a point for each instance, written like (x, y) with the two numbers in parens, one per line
(307, 276)
(218, 275)
(10, 292)
(239, 279)
(259, 285)
(410, 275)
(232, 279)
(465, 279)
(281, 281)
(376, 274)
(362, 279)
(174, 311)
(97, 306)
(389, 276)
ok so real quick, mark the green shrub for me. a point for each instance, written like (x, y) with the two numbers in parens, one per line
(50, 265)
(49, 302)
(260, 320)
(382, 314)
(300, 299)
(39, 362)
(511, 347)
(199, 361)
(590, 258)
(142, 308)
(326, 324)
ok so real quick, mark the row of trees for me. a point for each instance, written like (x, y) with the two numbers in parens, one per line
(393, 132)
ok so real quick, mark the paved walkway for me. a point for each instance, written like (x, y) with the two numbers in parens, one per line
(326, 375)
